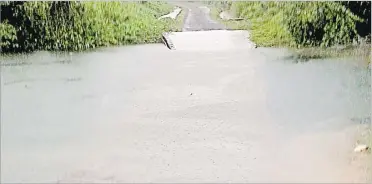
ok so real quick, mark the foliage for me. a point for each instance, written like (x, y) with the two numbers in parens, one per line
(157, 8)
(8, 34)
(267, 23)
(321, 23)
(308, 23)
(74, 25)
(361, 9)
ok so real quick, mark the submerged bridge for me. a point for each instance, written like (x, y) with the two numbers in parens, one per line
(200, 32)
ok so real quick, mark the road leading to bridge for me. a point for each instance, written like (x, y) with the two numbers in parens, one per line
(148, 114)
(198, 18)
(201, 33)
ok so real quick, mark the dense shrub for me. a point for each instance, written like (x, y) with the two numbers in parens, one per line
(321, 23)
(70, 25)
(306, 23)
(363, 10)
(8, 34)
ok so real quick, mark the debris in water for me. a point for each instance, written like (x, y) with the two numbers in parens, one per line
(361, 148)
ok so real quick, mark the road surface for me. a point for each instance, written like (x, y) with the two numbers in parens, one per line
(197, 17)
(147, 114)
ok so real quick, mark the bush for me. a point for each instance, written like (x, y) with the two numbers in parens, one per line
(8, 34)
(306, 23)
(321, 23)
(70, 25)
(361, 9)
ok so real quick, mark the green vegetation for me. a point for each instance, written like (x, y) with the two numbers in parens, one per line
(266, 23)
(76, 26)
(302, 24)
(8, 34)
(177, 26)
(231, 24)
(310, 28)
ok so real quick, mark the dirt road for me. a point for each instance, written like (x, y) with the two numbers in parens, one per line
(197, 17)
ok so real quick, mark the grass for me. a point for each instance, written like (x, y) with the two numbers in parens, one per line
(92, 25)
(362, 53)
(177, 24)
(267, 32)
(233, 25)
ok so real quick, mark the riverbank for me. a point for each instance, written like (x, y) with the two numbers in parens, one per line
(266, 23)
(77, 26)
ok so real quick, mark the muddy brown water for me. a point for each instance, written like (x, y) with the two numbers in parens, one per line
(145, 113)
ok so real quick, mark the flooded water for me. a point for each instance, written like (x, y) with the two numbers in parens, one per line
(144, 113)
